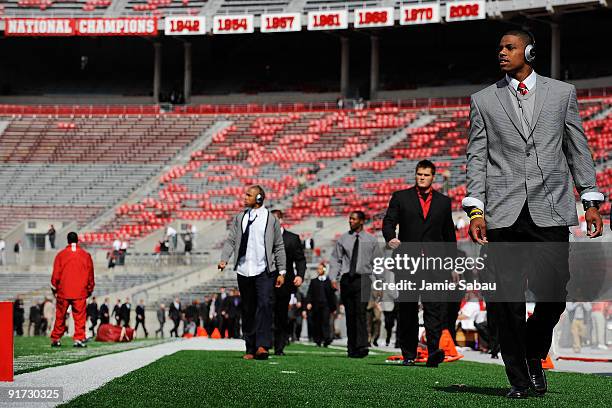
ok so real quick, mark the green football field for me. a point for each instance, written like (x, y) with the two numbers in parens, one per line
(315, 377)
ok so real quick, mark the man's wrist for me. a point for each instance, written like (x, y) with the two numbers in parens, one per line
(586, 204)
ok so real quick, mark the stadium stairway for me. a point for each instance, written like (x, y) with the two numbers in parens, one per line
(182, 158)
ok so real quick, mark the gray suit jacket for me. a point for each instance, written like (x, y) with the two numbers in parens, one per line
(275, 248)
(505, 166)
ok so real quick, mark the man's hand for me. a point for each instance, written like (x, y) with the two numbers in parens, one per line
(593, 218)
(309, 307)
(455, 277)
(222, 265)
(478, 231)
(394, 243)
(298, 281)
(280, 280)
(334, 284)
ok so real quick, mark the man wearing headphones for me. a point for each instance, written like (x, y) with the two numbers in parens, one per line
(256, 241)
(526, 144)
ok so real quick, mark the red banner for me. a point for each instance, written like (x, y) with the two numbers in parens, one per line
(6, 341)
(66, 27)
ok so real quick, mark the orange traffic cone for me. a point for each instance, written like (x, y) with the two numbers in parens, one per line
(201, 332)
(547, 364)
(215, 334)
(447, 344)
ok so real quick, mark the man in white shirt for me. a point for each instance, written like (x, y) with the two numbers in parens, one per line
(171, 234)
(256, 241)
(2, 252)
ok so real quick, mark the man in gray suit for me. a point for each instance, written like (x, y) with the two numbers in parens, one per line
(526, 144)
(256, 241)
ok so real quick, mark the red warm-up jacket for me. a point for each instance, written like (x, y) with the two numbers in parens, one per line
(73, 273)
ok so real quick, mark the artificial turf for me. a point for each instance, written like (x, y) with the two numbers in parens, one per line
(35, 352)
(309, 376)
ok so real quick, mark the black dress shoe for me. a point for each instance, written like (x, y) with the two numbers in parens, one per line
(518, 392)
(435, 359)
(279, 353)
(408, 362)
(536, 373)
(359, 353)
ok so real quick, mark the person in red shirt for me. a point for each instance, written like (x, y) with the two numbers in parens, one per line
(424, 217)
(72, 283)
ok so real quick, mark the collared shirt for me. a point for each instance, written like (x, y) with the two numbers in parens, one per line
(425, 202)
(254, 262)
(530, 81)
(369, 248)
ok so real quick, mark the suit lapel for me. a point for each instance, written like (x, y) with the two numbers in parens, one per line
(416, 202)
(504, 99)
(541, 93)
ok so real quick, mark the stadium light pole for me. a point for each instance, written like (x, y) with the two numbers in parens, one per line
(157, 71)
(344, 66)
(374, 66)
(188, 72)
(555, 50)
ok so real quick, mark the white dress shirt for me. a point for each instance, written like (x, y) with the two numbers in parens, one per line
(254, 262)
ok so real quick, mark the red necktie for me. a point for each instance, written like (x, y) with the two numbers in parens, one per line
(522, 88)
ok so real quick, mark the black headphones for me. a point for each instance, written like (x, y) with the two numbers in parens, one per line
(530, 49)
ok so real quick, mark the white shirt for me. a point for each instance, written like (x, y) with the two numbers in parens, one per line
(2, 245)
(171, 232)
(254, 262)
(124, 245)
(530, 81)
(116, 245)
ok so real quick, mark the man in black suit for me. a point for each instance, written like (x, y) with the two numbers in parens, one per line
(104, 312)
(92, 313)
(423, 215)
(321, 301)
(175, 315)
(126, 309)
(204, 313)
(231, 308)
(140, 317)
(295, 254)
(117, 312)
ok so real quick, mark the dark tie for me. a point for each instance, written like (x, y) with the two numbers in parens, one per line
(245, 238)
(354, 256)
(522, 88)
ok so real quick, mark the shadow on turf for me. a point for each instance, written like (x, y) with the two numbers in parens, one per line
(467, 389)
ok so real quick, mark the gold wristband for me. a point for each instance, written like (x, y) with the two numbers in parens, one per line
(476, 216)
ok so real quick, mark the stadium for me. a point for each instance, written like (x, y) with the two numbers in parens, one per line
(140, 124)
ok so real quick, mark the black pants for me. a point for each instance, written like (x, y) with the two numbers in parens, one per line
(390, 323)
(320, 325)
(546, 267)
(452, 311)
(281, 319)
(256, 293)
(92, 328)
(138, 322)
(161, 328)
(174, 330)
(408, 328)
(353, 290)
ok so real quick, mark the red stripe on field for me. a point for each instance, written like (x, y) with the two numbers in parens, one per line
(6, 341)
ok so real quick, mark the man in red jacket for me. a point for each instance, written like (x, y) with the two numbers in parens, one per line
(72, 283)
